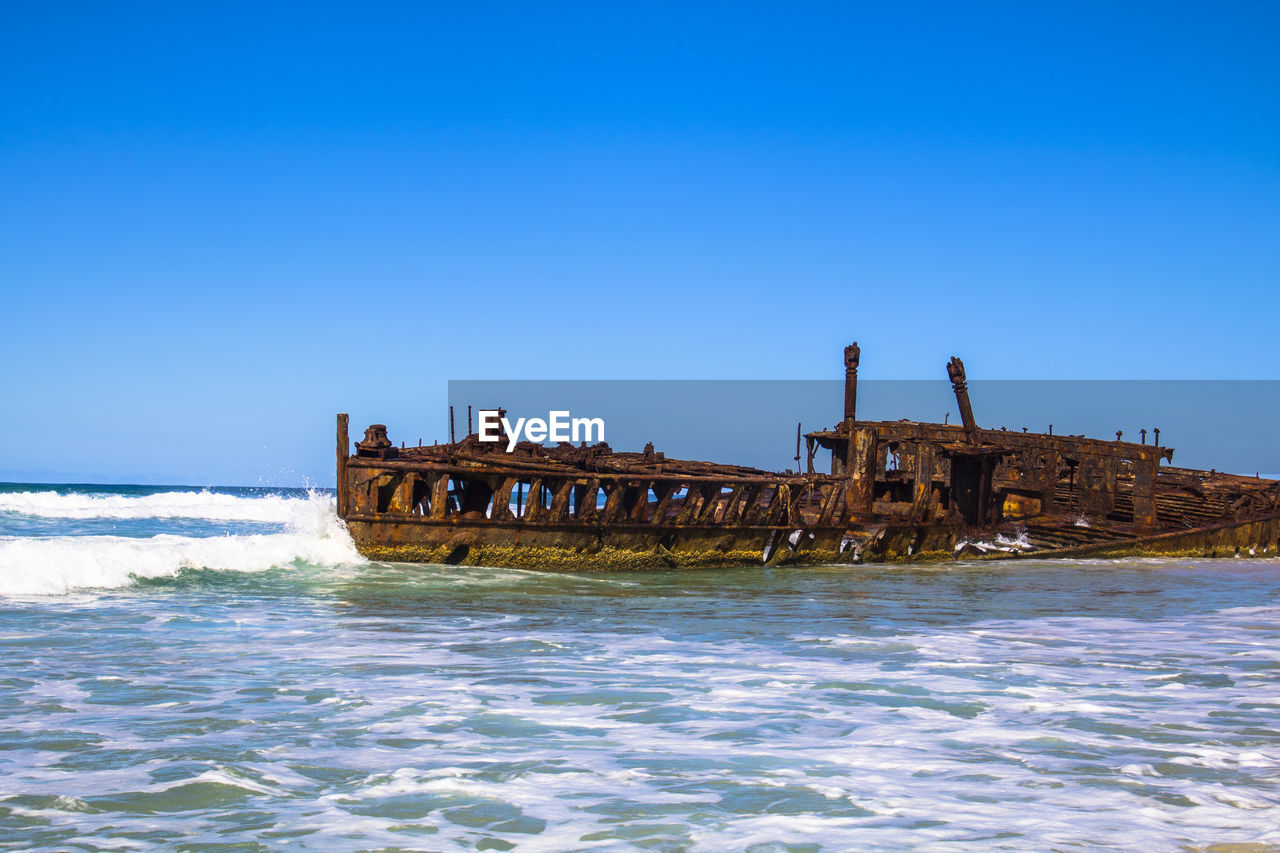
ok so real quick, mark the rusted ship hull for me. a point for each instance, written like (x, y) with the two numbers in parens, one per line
(563, 548)
(1254, 538)
(895, 491)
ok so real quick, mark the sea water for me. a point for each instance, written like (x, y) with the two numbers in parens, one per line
(189, 669)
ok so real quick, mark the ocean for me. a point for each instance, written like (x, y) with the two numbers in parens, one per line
(218, 669)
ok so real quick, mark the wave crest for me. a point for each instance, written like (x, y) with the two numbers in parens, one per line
(60, 564)
(187, 504)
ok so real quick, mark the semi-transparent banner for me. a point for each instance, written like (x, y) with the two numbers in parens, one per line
(1228, 425)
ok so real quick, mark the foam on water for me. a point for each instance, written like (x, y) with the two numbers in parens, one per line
(1038, 705)
(179, 504)
(59, 564)
(383, 725)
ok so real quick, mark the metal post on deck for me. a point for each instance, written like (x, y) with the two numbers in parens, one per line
(344, 452)
(797, 447)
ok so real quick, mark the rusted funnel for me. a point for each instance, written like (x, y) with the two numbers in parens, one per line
(959, 384)
(851, 356)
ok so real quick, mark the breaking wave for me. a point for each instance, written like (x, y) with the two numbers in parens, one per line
(59, 564)
(189, 504)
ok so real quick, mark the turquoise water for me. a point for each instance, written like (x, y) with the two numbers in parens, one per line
(220, 670)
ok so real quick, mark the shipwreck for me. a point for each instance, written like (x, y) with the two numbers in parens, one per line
(892, 491)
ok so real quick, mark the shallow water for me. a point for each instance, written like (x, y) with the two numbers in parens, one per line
(246, 682)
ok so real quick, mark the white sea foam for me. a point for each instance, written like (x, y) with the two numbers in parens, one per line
(1002, 734)
(59, 564)
(187, 504)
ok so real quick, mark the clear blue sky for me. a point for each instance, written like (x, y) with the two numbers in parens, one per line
(222, 223)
